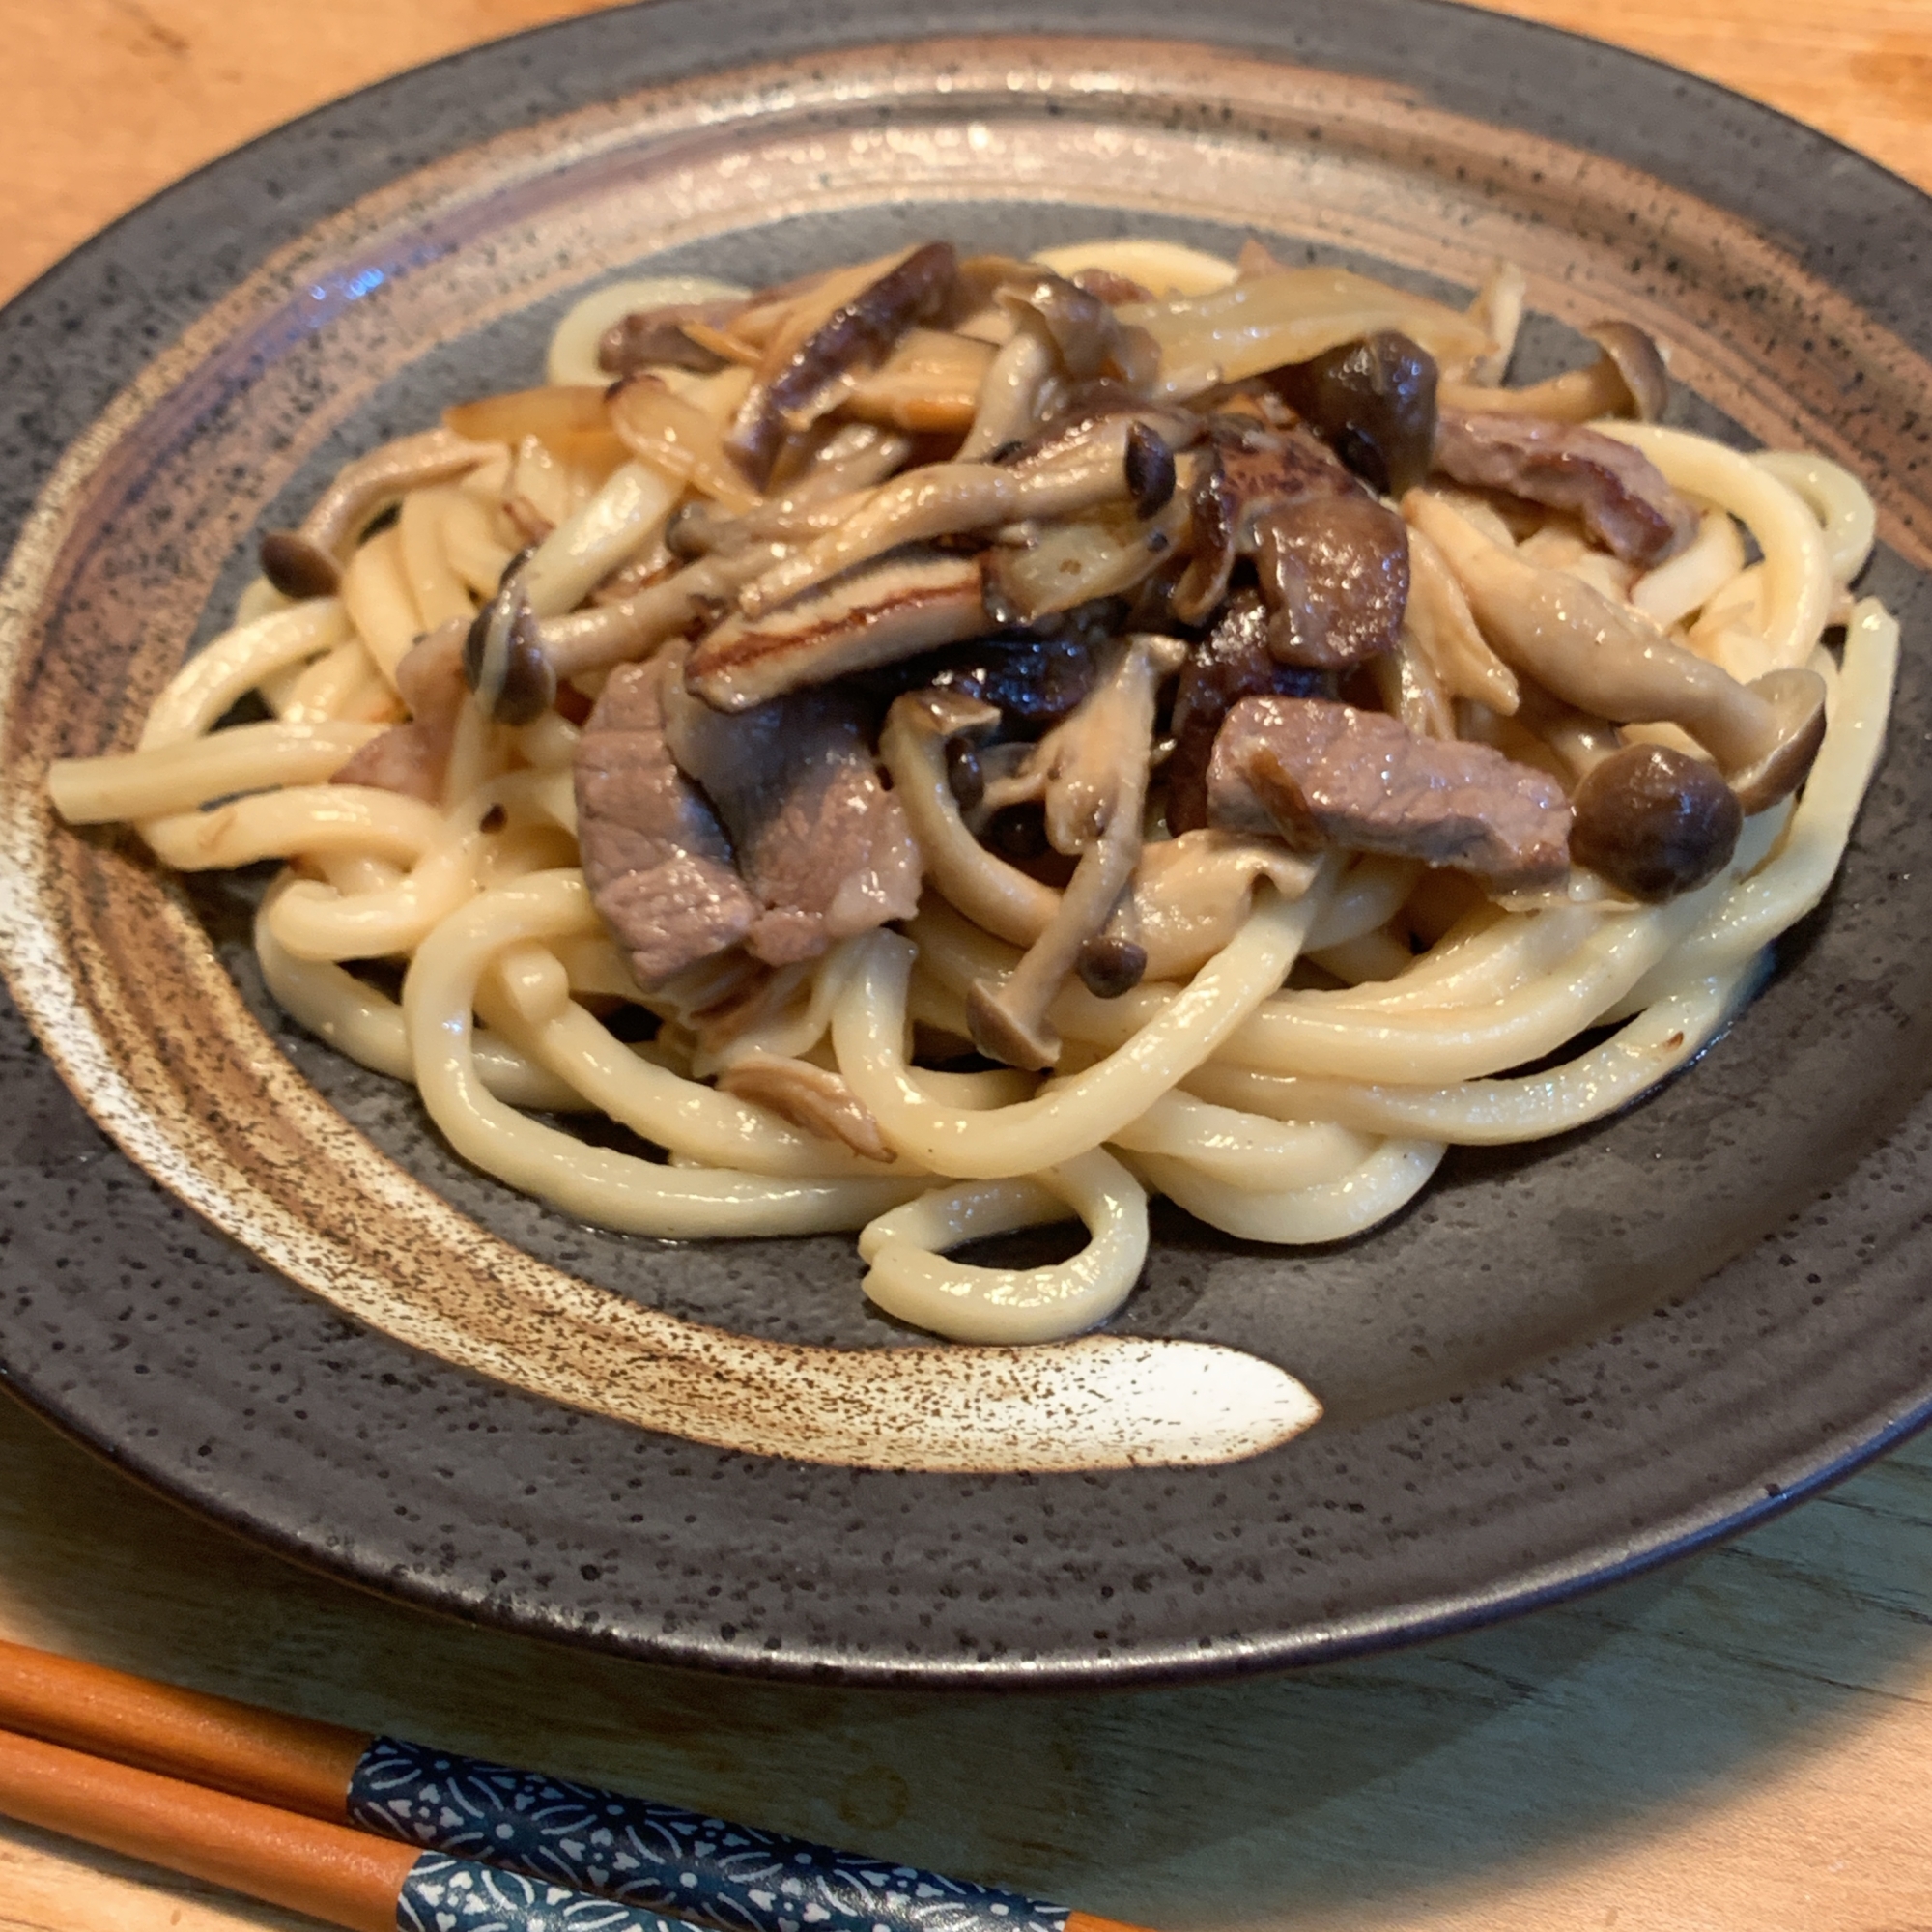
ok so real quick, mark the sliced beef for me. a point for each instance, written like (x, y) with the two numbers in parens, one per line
(1320, 774)
(656, 860)
(1333, 561)
(1334, 572)
(1620, 495)
(414, 759)
(823, 847)
(1233, 662)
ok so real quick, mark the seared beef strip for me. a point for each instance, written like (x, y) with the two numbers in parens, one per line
(821, 843)
(657, 861)
(1621, 495)
(1229, 663)
(1333, 561)
(1320, 774)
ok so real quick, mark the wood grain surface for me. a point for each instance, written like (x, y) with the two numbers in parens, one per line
(1742, 1742)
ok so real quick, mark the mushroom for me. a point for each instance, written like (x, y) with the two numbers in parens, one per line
(1060, 330)
(891, 608)
(859, 333)
(1612, 662)
(1630, 508)
(1374, 403)
(1655, 822)
(515, 660)
(1114, 459)
(655, 337)
(307, 561)
(1095, 769)
(1628, 378)
(813, 1098)
(1497, 310)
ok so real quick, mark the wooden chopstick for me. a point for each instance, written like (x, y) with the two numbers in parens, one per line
(656, 1857)
(344, 1877)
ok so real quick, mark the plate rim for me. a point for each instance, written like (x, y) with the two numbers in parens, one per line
(1731, 1510)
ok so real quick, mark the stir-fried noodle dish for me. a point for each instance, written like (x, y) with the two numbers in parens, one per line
(955, 742)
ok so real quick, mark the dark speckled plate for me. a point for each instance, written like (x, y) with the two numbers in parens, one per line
(1565, 1362)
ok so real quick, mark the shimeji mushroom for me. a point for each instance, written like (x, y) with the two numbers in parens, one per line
(307, 561)
(1095, 772)
(1628, 378)
(1612, 662)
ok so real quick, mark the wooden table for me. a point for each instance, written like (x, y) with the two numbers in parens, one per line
(1739, 1743)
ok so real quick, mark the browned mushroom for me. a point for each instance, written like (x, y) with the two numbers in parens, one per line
(1655, 822)
(892, 609)
(413, 758)
(813, 1098)
(1628, 506)
(1095, 775)
(1318, 774)
(1612, 662)
(307, 561)
(1374, 403)
(655, 337)
(859, 333)
(1628, 378)
(943, 499)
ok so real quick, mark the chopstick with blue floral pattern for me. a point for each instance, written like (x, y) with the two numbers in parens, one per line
(635, 1852)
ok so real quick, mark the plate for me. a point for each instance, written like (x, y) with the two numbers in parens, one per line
(277, 1297)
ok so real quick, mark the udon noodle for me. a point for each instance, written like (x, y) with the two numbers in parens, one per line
(1280, 1023)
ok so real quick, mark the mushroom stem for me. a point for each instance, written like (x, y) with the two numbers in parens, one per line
(949, 499)
(1609, 659)
(1628, 378)
(306, 563)
(1096, 779)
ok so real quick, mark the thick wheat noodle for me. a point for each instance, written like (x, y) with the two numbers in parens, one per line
(1297, 1116)
(1493, 1112)
(619, 1190)
(178, 776)
(359, 1020)
(912, 1278)
(215, 679)
(1073, 1114)
(1331, 1211)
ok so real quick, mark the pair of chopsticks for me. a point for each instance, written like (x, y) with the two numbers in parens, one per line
(380, 1835)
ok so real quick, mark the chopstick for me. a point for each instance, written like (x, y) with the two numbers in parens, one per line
(344, 1877)
(641, 1852)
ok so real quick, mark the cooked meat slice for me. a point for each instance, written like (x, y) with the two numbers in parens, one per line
(414, 759)
(656, 860)
(1334, 572)
(1621, 495)
(1333, 561)
(1229, 663)
(1320, 773)
(824, 848)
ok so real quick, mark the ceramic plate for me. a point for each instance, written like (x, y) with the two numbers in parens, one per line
(268, 1290)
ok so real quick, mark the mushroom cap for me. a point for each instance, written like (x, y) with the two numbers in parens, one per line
(298, 566)
(1111, 966)
(506, 633)
(1640, 364)
(1373, 402)
(1653, 821)
(1005, 1033)
(1797, 697)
